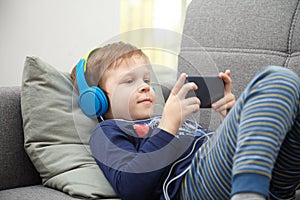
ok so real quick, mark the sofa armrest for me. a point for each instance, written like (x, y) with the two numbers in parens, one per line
(16, 169)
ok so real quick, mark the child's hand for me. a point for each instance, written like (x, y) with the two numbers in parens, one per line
(177, 107)
(226, 103)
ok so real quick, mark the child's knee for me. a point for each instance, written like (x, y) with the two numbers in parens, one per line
(283, 75)
(275, 80)
(282, 72)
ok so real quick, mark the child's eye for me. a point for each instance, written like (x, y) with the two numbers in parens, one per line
(129, 81)
(147, 81)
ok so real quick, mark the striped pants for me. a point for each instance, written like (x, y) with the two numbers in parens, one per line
(257, 147)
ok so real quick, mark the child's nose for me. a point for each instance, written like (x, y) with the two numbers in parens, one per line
(144, 88)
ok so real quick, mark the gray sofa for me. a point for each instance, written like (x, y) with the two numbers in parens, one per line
(243, 36)
(18, 177)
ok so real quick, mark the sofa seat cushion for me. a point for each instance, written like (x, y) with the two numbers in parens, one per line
(36, 192)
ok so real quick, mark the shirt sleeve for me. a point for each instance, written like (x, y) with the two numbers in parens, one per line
(135, 172)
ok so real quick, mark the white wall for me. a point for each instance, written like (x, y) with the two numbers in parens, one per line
(58, 31)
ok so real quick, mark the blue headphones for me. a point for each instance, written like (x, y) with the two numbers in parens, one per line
(92, 100)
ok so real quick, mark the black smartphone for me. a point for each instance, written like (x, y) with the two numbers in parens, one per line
(210, 89)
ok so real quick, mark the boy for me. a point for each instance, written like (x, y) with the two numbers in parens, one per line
(152, 157)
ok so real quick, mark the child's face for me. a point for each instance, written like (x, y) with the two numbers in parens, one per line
(128, 88)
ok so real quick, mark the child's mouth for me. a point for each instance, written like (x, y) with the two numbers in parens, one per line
(146, 100)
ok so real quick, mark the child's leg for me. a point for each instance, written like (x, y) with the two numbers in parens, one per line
(241, 155)
(286, 172)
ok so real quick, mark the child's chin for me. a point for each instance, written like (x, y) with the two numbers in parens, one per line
(142, 117)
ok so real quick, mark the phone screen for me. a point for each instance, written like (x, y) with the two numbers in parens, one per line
(210, 89)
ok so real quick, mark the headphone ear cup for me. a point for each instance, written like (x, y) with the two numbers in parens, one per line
(93, 102)
(102, 101)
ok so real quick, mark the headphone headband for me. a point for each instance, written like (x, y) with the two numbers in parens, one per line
(80, 78)
(86, 57)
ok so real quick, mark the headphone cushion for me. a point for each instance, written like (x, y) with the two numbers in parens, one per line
(93, 102)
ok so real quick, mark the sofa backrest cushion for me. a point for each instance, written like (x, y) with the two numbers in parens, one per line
(242, 36)
(16, 169)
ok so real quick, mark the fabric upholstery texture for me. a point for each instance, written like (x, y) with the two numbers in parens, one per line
(57, 133)
(16, 169)
(242, 36)
(33, 192)
(37, 192)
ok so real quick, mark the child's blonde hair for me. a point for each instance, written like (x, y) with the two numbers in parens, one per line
(106, 57)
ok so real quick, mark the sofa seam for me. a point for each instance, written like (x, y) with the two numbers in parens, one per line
(239, 50)
(291, 34)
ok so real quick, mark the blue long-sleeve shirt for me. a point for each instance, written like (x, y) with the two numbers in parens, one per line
(142, 167)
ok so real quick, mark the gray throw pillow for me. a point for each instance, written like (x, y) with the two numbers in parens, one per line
(57, 133)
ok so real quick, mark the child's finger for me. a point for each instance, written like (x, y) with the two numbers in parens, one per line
(185, 89)
(179, 83)
(219, 103)
(192, 101)
(224, 103)
(227, 80)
